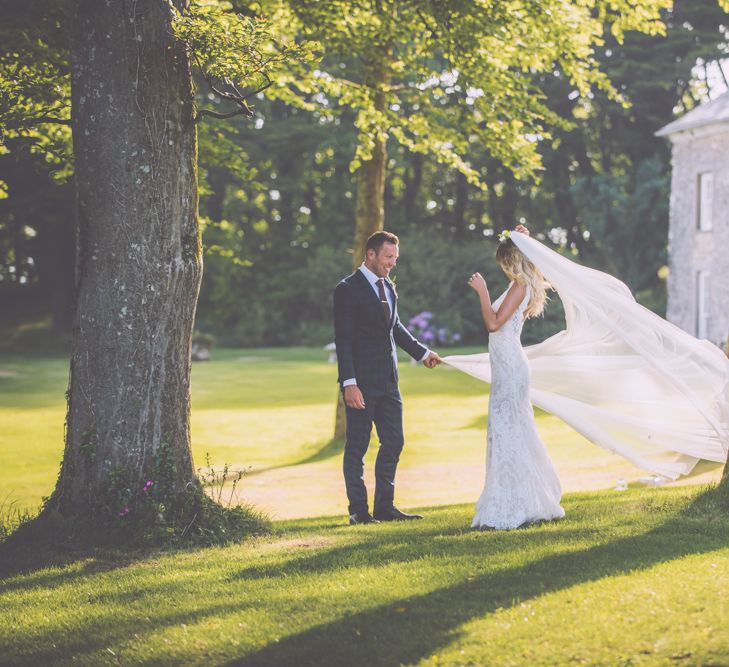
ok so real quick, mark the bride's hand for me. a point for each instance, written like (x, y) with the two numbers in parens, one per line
(477, 282)
(522, 230)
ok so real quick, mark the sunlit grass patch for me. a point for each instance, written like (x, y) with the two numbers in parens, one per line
(626, 578)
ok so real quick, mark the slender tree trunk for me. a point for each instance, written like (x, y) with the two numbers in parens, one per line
(369, 214)
(139, 254)
(501, 206)
(61, 260)
(56, 256)
(412, 188)
(461, 204)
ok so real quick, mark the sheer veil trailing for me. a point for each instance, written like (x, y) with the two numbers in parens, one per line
(621, 375)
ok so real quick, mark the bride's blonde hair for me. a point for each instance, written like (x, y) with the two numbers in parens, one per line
(519, 269)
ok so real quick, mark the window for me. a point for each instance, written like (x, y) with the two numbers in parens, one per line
(702, 304)
(704, 200)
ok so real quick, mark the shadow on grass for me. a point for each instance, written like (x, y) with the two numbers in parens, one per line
(92, 544)
(103, 631)
(701, 468)
(410, 628)
(387, 636)
(34, 562)
(480, 423)
(334, 447)
(397, 546)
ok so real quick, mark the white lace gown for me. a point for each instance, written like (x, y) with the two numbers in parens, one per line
(521, 483)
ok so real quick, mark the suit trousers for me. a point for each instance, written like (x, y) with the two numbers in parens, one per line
(383, 406)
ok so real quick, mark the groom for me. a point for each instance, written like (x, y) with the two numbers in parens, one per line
(366, 329)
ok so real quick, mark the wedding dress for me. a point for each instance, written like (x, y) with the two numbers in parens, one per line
(521, 483)
(625, 378)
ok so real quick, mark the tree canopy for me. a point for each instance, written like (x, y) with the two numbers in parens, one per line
(275, 182)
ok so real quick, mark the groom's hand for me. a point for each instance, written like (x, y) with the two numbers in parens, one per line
(432, 360)
(353, 397)
(522, 230)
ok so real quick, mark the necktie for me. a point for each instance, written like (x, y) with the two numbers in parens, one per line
(383, 299)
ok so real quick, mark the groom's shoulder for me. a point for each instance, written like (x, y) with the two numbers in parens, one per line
(344, 283)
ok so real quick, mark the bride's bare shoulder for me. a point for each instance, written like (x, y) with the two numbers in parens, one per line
(516, 290)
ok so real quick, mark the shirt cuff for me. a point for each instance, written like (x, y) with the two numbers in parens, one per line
(425, 356)
(350, 382)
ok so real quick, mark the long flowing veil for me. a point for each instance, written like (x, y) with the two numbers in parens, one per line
(625, 378)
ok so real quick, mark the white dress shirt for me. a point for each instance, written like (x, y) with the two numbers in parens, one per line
(373, 278)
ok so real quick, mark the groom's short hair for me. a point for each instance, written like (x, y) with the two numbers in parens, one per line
(378, 239)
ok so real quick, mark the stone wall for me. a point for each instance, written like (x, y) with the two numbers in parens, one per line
(691, 250)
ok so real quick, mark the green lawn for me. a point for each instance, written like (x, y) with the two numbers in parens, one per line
(273, 409)
(627, 578)
(631, 578)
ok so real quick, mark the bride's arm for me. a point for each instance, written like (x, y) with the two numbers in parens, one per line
(495, 319)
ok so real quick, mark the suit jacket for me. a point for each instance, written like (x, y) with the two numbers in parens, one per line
(365, 340)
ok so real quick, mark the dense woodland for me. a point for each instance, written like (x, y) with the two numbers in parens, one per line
(277, 196)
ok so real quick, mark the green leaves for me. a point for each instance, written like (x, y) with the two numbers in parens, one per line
(458, 72)
(239, 56)
(35, 86)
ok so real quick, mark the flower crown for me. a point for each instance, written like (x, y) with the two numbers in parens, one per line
(504, 236)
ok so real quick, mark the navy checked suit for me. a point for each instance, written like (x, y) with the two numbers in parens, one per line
(365, 343)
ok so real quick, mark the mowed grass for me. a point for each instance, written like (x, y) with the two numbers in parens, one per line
(627, 578)
(273, 410)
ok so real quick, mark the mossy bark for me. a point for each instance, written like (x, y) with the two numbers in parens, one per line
(138, 247)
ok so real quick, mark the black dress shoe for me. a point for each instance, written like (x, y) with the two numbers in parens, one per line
(361, 517)
(394, 514)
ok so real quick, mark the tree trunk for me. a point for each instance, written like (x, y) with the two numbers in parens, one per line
(56, 255)
(461, 204)
(412, 188)
(61, 263)
(369, 214)
(501, 205)
(139, 253)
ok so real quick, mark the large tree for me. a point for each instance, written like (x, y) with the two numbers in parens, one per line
(443, 76)
(139, 261)
(139, 255)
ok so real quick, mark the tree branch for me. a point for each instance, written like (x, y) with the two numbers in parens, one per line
(51, 119)
(223, 116)
(433, 31)
(244, 110)
(30, 122)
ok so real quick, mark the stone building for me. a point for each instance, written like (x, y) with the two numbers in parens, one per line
(698, 237)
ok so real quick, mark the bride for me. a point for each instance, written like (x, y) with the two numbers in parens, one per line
(619, 374)
(521, 483)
